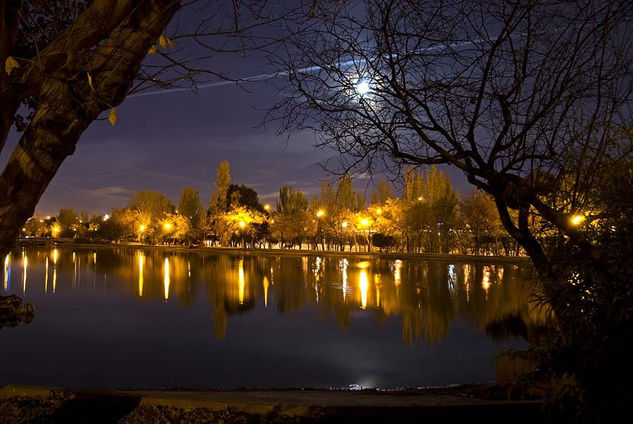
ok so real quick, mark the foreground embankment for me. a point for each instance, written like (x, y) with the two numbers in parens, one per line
(21, 404)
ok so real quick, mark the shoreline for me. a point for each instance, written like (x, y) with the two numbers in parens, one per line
(289, 252)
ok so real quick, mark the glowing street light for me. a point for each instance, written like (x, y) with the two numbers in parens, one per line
(364, 222)
(142, 228)
(379, 211)
(167, 226)
(267, 207)
(577, 219)
(320, 213)
(106, 217)
(242, 224)
(344, 224)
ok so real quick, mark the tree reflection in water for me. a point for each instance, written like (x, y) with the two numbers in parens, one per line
(428, 296)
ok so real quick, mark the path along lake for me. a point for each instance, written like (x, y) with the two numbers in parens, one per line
(144, 318)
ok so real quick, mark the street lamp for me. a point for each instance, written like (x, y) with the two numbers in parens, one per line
(320, 213)
(242, 224)
(167, 226)
(577, 219)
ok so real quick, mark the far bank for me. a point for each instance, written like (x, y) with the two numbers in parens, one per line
(203, 250)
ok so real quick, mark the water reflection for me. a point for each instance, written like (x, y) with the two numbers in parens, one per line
(427, 297)
(141, 263)
(166, 279)
(25, 262)
(266, 285)
(363, 285)
(241, 283)
(7, 273)
(46, 275)
(55, 268)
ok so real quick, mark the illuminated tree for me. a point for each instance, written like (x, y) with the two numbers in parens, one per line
(443, 205)
(175, 226)
(293, 223)
(189, 207)
(346, 197)
(237, 226)
(150, 208)
(120, 226)
(68, 221)
(34, 227)
(481, 222)
(151, 203)
(382, 192)
(240, 195)
(218, 200)
(392, 221)
(291, 201)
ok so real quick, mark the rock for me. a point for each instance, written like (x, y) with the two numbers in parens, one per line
(12, 312)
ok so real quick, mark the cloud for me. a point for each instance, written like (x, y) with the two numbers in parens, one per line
(111, 191)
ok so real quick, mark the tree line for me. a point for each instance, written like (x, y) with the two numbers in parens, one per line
(429, 216)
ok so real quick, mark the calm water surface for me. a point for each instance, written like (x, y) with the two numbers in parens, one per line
(118, 318)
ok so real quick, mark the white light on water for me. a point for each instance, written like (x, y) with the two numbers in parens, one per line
(166, 280)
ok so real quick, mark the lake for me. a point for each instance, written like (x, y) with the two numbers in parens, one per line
(144, 318)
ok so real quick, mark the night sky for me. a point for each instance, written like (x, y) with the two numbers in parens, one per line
(173, 140)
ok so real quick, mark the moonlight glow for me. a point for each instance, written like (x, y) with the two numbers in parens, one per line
(362, 87)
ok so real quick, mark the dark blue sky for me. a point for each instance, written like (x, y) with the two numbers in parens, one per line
(174, 140)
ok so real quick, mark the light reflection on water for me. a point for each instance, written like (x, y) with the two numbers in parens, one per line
(425, 304)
